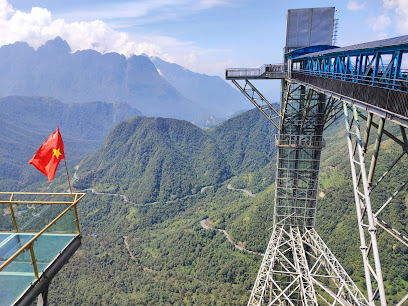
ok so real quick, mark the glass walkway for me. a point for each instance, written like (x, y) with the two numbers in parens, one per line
(38, 234)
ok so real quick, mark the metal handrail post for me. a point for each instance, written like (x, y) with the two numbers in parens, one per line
(12, 213)
(33, 261)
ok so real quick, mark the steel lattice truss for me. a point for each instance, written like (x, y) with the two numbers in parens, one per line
(299, 269)
(299, 145)
(364, 160)
(260, 102)
(367, 83)
(377, 64)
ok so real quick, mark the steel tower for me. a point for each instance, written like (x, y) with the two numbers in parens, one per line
(319, 84)
(298, 267)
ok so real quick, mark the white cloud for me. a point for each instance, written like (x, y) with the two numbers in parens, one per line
(400, 8)
(145, 11)
(38, 26)
(5, 10)
(353, 5)
(388, 4)
(379, 23)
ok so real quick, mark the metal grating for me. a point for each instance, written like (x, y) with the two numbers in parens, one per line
(393, 101)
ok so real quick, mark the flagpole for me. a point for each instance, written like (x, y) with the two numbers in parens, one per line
(69, 182)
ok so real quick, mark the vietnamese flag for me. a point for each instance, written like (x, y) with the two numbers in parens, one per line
(49, 155)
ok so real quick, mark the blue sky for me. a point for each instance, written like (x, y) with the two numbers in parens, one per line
(205, 36)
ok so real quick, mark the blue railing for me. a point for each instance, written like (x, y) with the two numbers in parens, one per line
(381, 64)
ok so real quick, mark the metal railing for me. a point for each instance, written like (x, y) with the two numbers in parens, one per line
(302, 141)
(74, 198)
(379, 80)
(243, 72)
(255, 72)
(382, 98)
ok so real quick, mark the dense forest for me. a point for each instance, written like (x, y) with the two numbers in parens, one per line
(173, 259)
(151, 247)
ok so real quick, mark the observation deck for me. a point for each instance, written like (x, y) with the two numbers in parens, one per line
(320, 83)
(299, 141)
(370, 75)
(39, 233)
(267, 71)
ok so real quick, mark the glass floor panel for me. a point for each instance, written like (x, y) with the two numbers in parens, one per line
(17, 276)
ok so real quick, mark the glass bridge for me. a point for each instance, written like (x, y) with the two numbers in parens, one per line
(39, 232)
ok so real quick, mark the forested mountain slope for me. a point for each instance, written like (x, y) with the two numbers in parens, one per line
(172, 258)
(154, 159)
(247, 140)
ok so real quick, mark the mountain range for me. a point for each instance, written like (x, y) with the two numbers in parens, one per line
(207, 91)
(147, 158)
(85, 76)
(28, 121)
(154, 159)
(162, 166)
(157, 179)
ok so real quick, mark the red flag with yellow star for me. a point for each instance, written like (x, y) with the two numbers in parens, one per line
(49, 155)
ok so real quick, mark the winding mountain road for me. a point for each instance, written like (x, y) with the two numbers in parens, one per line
(127, 246)
(243, 190)
(206, 224)
(124, 197)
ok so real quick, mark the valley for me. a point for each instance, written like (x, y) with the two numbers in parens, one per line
(169, 256)
(206, 223)
(174, 213)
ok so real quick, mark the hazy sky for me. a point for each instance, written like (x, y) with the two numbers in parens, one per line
(202, 35)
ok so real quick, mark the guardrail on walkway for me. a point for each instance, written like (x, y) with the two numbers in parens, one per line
(265, 71)
(28, 228)
(387, 100)
(299, 141)
(377, 81)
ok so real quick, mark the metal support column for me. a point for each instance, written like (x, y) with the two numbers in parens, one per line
(364, 183)
(298, 268)
(366, 200)
(42, 299)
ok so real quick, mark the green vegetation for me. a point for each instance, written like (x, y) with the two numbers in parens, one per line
(27, 122)
(154, 159)
(176, 261)
(162, 165)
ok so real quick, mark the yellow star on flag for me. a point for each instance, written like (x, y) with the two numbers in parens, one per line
(57, 152)
(44, 159)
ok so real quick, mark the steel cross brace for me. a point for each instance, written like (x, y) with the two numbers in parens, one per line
(364, 184)
(293, 272)
(257, 99)
(295, 267)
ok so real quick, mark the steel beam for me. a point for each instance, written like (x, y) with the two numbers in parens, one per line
(40, 286)
(259, 101)
(363, 186)
(297, 261)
